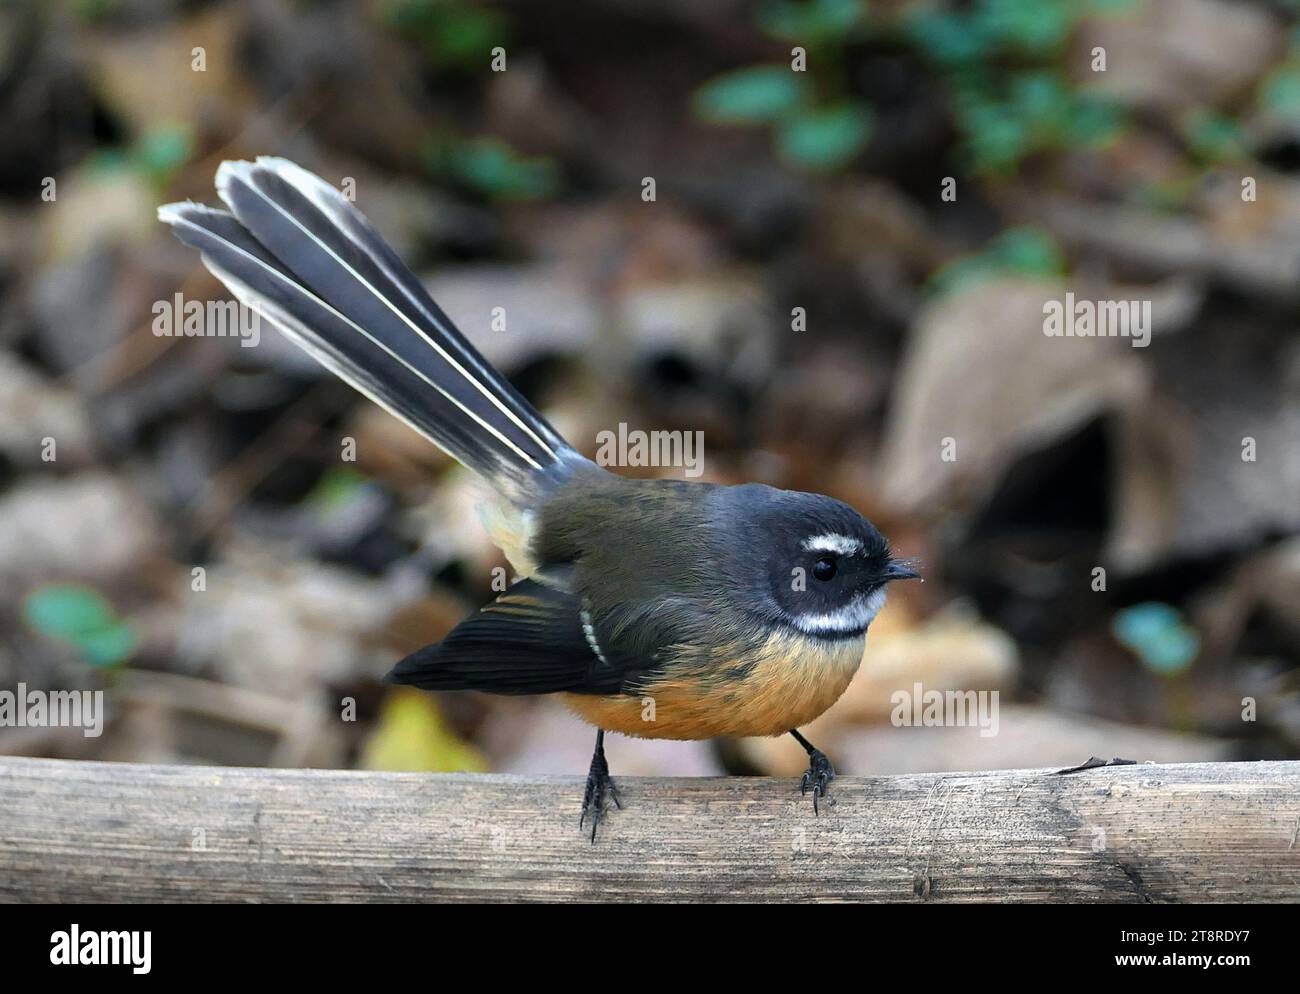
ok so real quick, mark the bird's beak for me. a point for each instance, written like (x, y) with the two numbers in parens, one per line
(900, 569)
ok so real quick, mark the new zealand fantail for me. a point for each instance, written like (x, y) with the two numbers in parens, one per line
(658, 608)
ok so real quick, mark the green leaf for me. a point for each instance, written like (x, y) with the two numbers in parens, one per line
(164, 150)
(948, 38)
(1027, 250)
(1280, 91)
(96, 10)
(467, 34)
(450, 31)
(1041, 99)
(490, 167)
(995, 140)
(80, 615)
(1094, 122)
(810, 21)
(1031, 26)
(825, 139)
(1157, 635)
(1214, 137)
(108, 162)
(109, 646)
(753, 95)
(1016, 250)
(67, 610)
(335, 488)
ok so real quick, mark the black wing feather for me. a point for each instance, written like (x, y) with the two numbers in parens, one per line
(530, 640)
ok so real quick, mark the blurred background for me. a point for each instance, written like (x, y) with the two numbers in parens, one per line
(820, 231)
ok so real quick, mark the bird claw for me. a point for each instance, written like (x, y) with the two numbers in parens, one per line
(819, 775)
(599, 783)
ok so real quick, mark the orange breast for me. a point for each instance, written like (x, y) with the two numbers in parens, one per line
(794, 680)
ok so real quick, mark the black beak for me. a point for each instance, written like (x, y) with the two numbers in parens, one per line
(900, 569)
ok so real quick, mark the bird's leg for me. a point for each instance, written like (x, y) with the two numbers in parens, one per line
(598, 782)
(819, 774)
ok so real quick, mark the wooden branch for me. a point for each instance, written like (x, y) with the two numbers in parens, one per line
(79, 831)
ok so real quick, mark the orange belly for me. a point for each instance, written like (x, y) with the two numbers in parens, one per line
(794, 680)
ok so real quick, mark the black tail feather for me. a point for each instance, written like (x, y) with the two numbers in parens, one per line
(297, 253)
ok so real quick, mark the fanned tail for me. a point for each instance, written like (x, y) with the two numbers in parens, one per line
(296, 252)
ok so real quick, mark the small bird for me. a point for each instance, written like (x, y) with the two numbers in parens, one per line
(657, 608)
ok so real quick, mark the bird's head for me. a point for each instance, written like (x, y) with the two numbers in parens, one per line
(811, 562)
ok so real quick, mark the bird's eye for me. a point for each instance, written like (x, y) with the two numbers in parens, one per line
(824, 568)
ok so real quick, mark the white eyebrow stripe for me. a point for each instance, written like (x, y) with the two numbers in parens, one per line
(832, 542)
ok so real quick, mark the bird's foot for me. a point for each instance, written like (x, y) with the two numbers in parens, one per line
(599, 783)
(818, 776)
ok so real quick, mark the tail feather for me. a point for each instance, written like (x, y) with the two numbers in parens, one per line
(300, 255)
(294, 181)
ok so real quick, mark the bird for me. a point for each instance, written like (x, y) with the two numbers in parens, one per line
(660, 608)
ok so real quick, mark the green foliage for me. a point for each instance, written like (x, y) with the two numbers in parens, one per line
(1157, 635)
(754, 95)
(1037, 28)
(1027, 251)
(1213, 137)
(80, 615)
(827, 138)
(1277, 95)
(157, 155)
(460, 35)
(93, 11)
(1004, 120)
(945, 37)
(812, 22)
(806, 133)
(336, 487)
(965, 34)
(1000, 60)
(809, 131)
(451, 33)
(1279, 91)
(489, 167)
(163, 151)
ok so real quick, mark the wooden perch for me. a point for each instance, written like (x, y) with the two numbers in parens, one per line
(79, 831)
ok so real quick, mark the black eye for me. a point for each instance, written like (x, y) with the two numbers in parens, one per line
(824, 568)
